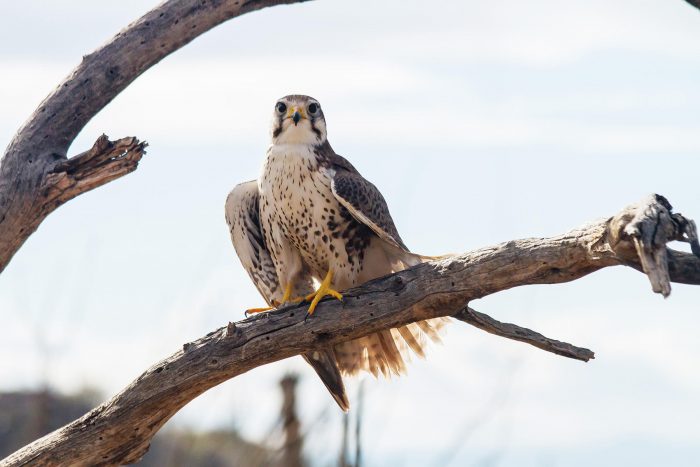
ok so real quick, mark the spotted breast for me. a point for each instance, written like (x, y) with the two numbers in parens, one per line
(323, 228)
(303, 220)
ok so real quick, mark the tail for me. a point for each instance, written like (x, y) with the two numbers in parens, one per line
(412, 259)
(425, 258)
(324, 363)
(387, 352)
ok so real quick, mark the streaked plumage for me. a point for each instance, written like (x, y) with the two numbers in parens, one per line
(311, 213)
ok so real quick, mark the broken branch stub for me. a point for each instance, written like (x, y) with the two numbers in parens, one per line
(648, 226)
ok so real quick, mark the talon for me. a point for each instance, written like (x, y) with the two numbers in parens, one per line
(323, 291)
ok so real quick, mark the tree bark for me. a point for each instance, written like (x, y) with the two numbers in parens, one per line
(120, 430)
(37, 153)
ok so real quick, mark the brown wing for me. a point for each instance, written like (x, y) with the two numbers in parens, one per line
(385, 352)
(364, 201)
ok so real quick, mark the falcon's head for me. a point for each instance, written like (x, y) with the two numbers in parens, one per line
(298, 119)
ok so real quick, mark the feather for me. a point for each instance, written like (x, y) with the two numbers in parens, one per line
(324, 362)
(321, 219)
(242, 216)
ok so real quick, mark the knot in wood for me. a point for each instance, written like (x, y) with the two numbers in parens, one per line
(322, 337)
(397, 284)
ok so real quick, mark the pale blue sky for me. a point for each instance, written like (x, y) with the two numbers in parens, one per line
(480, 122)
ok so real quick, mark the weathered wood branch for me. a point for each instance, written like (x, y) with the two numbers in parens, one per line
(120, 430)
(515, 332)
(104, 162)
(39, 148)
(695, 3)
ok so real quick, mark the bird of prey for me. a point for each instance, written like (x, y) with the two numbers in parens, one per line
(312, 218)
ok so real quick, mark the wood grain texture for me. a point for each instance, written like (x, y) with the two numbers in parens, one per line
(42, 143)
(120, 430)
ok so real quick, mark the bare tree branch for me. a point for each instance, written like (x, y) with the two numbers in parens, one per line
(695, 3)
(38, 150)
(515, 332)
(120, 430)
(104, 162)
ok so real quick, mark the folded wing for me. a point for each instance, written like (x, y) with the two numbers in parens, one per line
(243, 218)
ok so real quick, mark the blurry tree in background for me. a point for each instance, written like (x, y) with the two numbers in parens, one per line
(28, 415)
(293, 443)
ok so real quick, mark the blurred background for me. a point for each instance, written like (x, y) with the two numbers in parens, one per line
(479, 121)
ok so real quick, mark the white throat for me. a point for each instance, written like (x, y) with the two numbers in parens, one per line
(297, 134)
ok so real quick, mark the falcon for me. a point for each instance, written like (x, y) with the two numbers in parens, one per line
(310, 227)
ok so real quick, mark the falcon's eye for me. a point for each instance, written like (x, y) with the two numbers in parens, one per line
(313, 109)
(281, 107)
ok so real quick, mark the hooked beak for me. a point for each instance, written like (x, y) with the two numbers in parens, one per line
(296, 117)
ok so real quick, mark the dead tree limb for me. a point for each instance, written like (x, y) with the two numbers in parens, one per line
(31, 166)
(120, 430)
(515, 332)
(695, 3)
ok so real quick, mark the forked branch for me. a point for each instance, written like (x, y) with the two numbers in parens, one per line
(30, 188)
(120, 430)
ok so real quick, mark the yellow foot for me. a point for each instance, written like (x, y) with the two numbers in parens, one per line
(323, 291)
(287, 298)
(252, 311)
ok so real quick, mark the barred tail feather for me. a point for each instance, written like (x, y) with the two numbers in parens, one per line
(387, 352)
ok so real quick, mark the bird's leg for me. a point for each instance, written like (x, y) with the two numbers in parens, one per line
(287, 298)
(323, 291)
